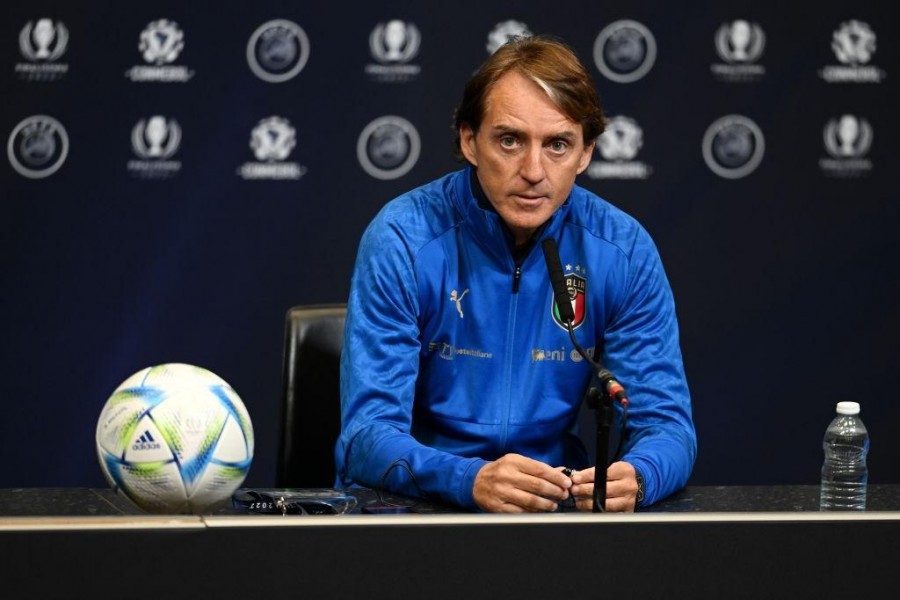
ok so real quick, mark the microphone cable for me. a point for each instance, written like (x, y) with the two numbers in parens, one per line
(611, 385)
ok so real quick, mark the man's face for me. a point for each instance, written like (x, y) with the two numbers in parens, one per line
(526, 153)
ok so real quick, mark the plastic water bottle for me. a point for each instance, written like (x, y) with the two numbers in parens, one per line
(844, 472)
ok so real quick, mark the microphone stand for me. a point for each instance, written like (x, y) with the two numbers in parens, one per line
(599, 400)
(601, 404)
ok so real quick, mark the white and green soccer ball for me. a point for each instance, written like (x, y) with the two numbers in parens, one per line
(175, 438)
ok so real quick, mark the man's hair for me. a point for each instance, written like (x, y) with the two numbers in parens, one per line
(553, 66)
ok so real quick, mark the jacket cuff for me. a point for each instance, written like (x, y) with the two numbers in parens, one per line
(465, 497)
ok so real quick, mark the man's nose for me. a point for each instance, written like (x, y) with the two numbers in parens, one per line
(532, 167)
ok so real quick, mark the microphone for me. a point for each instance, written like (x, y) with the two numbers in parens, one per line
(567, 314)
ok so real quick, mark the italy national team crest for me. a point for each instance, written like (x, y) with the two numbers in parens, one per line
(577, 286)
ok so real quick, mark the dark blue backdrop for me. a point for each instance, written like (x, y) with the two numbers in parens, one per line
(786, 280)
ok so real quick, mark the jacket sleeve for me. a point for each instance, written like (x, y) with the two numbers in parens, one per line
(641, 346)
(379, 369)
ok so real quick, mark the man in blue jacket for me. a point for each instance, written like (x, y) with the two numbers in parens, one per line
(459, 381)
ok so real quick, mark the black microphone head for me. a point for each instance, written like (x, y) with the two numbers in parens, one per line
(558, 280)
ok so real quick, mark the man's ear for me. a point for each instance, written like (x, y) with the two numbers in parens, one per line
(467, 144)
(585, 158)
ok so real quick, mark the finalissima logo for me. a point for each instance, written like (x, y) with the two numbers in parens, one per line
(277, 51)
(740, 41)
(395, 41)
(847, 140)
(156, 137)
(739, 44)
(388, 147)
(733, 146)
(43, 40)
(624, 51)
(394, 44)
(848, 137)
(155, 141)
(42, 43)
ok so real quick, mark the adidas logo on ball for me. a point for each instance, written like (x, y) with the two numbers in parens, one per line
(145, 442)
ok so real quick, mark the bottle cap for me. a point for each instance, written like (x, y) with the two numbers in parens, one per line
(848, 408)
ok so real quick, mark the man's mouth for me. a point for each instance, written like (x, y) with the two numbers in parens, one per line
(531, 197)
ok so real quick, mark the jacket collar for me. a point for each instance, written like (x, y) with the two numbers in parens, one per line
(488, 229)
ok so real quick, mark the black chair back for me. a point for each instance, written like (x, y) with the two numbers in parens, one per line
(311, 399)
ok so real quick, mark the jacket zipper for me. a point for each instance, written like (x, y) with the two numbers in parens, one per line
(508, 374)
(510, 338)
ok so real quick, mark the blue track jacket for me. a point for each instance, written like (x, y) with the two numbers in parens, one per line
(453, 356)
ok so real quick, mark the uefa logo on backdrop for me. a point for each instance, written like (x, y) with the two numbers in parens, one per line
(853, 44)
(740, 45)
(847, 140)
(393, 45)
(160, 44)
(42, 43)
(272, 141)
(733, 147)
(504, 32)
(388, 147)
(618, 146)
(277, 51)
(154, 142)
(624, 51)
(38, 146)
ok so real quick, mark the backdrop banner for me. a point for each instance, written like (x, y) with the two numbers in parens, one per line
(178, 175)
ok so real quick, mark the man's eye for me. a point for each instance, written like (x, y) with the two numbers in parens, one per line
(558, 146)
(507, 141)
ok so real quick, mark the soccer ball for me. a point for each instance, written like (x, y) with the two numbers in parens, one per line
(175, 438)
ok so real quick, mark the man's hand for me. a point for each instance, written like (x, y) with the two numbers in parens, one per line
(515, 484)
(621, 488)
